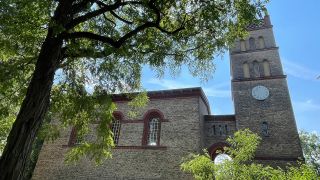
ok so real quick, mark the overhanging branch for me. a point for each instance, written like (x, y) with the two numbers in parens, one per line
(118, 43)
(101, 5)
(90, 35)
(98, 12)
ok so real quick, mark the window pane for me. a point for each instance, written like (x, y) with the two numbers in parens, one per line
(116, 131)
(153, 132)
(265, 129)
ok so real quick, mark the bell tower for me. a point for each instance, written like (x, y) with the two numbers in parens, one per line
(261, 97)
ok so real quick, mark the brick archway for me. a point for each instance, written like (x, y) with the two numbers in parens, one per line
(212, 150)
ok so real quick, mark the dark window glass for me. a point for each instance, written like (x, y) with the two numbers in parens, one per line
(116, 131)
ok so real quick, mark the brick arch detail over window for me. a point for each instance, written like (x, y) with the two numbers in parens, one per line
(217, 147)
(147, 118)
(118, 115)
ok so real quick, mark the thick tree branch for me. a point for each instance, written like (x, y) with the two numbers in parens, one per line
(90, 35)
(101, 4)
(98, 12)
(76, 8)
(123, 39)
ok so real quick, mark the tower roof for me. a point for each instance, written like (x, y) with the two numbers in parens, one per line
(261, 24)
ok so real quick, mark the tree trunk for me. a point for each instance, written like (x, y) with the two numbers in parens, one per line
(32, 112)
(36, 103)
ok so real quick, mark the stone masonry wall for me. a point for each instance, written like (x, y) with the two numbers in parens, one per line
(282, 144)
(179, 137)
(212, 138)
(283, 140)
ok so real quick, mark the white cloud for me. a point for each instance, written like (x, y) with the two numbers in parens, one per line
(219, 90)
(307, 105)
(168, 84)
(299, 71)
(213, 92)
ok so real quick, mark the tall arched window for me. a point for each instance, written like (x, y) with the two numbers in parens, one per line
(153, 131)
(252, 44)
(265, 129)
(266, 68)
(246, 70)
(242, 45)
(116, 126)
(152, 127)
(256, 69)
(262, 44)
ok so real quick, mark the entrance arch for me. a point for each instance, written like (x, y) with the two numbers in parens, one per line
(217, 147)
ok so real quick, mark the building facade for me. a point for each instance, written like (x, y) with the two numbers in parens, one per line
(178, 122)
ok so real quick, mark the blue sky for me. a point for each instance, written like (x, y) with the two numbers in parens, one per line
(297, 31)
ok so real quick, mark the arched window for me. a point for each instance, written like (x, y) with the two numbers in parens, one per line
(262, 44)
(242, 45)
(152, 127)
(246, 70)
(265, 129)
(216, 149)
(266, 68)
(252, 44)
(256, 69)
(116, 126)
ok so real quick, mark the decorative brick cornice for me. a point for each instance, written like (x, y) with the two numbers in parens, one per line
(261, 24)
(118, 115)
(256, 50)
(259, 28)
(133, 121)
(219, 118)
(260, 78)
(168, 94)
(142, 147)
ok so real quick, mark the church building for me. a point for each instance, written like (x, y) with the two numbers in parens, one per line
(178, 122)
